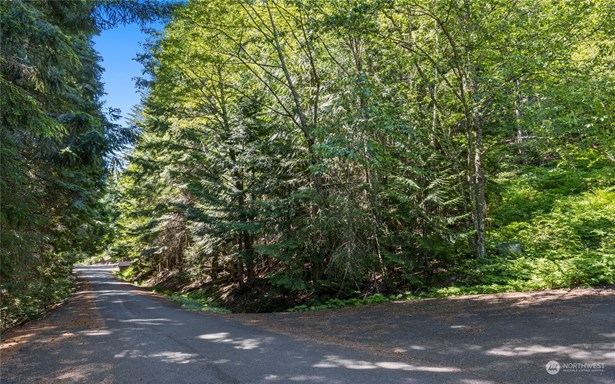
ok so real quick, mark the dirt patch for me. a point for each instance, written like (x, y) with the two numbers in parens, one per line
(79, 318)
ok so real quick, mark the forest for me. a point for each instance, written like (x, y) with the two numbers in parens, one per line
(309, 153)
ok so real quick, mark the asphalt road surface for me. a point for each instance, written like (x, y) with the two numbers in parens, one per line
(112, 332)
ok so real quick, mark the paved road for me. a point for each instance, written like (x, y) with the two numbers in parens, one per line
(112, 332)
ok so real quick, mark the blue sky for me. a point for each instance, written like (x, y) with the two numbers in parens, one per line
(118, 48)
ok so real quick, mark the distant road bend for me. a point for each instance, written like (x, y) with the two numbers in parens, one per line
(113, 332)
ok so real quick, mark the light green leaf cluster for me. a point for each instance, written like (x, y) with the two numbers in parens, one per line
(320, 148)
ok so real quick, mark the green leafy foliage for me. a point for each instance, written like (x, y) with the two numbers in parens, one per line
(56, 149)
(319, 152)
(339, 303)
(312, 153)
(196, 302)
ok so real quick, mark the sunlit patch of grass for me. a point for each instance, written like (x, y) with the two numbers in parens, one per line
(195, 303)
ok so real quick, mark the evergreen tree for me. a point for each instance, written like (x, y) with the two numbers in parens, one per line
(56, 145)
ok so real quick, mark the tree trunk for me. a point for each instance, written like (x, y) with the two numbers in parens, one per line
(479, 190)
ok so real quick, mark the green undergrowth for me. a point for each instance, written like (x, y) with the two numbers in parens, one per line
(195, 301)
(379, 298)
(315, 305)
(563, 219)
(198, 300)
(28, 299)
(127, 274)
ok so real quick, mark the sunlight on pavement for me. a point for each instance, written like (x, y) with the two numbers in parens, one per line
(165, 357)
(298, 378)
(100, 332)
(417, 348)
(246, 344)
(17, 340)
(332, 361)
(150, 321)
(572, 351)
(214, 336)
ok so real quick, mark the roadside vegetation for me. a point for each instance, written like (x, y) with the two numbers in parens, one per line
(301, 155)
(562, 217)
(57, 145)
